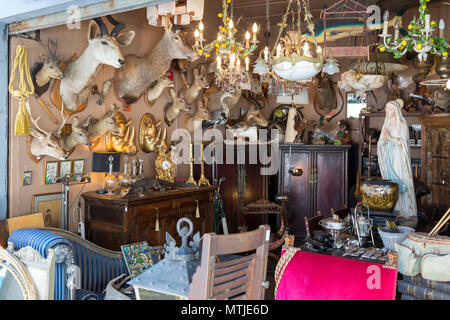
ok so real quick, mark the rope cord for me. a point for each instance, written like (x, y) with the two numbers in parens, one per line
(282, 264)
(22, 122)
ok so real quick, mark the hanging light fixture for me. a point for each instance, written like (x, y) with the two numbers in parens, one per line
(232, 56)
(295, 58)
(419, 38)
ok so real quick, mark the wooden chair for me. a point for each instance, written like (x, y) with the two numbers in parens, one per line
(341, 213)
(241, 278)
(265, 207)
(312, 223)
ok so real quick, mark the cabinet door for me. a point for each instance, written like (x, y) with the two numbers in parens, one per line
(298, 188)
(330, 180)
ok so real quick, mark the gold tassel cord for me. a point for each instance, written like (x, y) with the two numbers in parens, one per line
(197, 211)
(22, 121)
(157, 221)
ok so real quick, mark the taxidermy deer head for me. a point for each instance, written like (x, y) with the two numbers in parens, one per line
(124, 140)
(253, 117)
(99, 127)
(173, 109)
(194, 122)
(200, 82)
(139, 73)
(49, 65)
(150, 133)
(73, 134)
(326, 99)
(44, 142)
(103, 48)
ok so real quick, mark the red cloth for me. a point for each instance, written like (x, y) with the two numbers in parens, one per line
(312, 276)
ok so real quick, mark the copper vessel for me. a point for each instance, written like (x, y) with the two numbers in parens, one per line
(379, 194)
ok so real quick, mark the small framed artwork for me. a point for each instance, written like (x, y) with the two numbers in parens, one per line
(51, 172)
(138, 257)
(78, 168)
(65, 167)
(50, 204)
(26, 179)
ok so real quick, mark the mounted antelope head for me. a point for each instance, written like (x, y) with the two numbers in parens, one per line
(139, 73)
(200, 82)
(103, 48)
(194, 122)
(173, 109)
(44, 142)
(124, 140)
(99, 127)
(154, 92)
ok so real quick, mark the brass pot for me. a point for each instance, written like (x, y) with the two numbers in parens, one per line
(379, 194)
(443, 68)
(423, 68)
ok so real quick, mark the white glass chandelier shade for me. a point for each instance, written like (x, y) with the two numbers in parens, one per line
(299, 99)
(331, 67)
(260, 67)
(302, 70)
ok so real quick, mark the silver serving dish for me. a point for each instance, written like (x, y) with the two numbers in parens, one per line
(334, 224)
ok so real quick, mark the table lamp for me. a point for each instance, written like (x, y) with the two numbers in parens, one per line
(107, 162)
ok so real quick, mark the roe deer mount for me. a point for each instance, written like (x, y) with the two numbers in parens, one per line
(103, 48)
(199, 83)
(172, 109)
(99, 127)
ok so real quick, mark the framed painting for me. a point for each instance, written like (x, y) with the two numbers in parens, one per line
(78, 168)
(26, 178)
(65, 167)
(51, 205)
(51, 172)
(138, 257)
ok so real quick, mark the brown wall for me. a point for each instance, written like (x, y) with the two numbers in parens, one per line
(75, 41)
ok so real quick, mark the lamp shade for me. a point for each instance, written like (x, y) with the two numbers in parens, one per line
(100, 161)
(300, 98)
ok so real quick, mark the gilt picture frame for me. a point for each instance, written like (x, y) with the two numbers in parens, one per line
(65, 167)
(27, 178)
(78, 168)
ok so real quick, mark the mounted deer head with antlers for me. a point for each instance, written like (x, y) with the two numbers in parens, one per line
(71, 135)
(172, 109)
(138, 73)
(43, 143)
(99, 127)
(103, 48)
(48, 68)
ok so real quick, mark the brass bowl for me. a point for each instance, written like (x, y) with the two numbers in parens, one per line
(379, 194)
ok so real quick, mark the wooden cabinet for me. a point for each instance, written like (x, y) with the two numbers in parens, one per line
(322, 186)
(435, 159)
(112, 222)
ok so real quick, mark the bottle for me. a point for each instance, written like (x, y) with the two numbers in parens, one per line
(141, 169)
(124, 179)
(110, 179)
(134, 176)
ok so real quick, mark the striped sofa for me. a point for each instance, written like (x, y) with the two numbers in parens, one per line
(97, 265)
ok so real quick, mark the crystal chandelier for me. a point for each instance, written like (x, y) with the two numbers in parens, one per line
(230, 53)
(295, 58)
(419, 38)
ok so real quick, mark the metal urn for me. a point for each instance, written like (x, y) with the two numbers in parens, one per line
(443, 68)
(379, 194)
(362, 225)
(334, 226)
(169, 279)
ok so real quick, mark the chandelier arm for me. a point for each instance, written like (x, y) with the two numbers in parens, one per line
(283, 22)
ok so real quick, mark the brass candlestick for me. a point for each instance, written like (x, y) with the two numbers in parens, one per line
(202, 181)
(191, 179)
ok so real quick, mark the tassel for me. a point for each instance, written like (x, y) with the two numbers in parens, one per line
(22, 121)
(197, 211)
(157, 221)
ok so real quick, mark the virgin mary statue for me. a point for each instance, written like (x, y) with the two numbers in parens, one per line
(394, 157)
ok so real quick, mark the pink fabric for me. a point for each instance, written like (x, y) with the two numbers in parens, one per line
(312, 276)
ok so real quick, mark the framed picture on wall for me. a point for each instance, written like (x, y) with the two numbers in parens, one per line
(26, 179)
(65, 167)
(50, 204)
(78, 168)
(51, 172)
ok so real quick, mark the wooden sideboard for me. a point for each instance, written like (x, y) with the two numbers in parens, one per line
(111, 222)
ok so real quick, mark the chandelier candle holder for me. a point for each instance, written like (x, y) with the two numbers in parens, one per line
(419, 38)
(232, 56)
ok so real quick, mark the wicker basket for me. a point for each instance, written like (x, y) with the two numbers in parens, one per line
(389, 238)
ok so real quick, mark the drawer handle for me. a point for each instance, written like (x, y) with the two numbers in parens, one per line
(296, 172)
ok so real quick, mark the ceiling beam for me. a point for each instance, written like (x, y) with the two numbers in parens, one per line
(88, 12)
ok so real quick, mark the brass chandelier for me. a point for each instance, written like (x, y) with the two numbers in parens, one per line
(231, 54)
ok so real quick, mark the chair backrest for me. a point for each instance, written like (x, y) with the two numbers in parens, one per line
(240, 278)
(341, 213)
(312, 223)
(34, 220)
